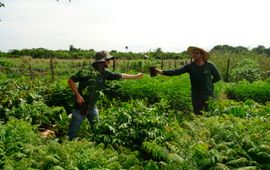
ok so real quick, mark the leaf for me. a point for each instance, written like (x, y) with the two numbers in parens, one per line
(156, 151)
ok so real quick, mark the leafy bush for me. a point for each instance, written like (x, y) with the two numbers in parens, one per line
(22, 148)
(59, 94)
(6, 64)
(246, 69)
(173, 89)
(258, 91)
(15, 135)
(130, 125)
(37, 113)
(249, 108)
(15, 92)
(207, 142)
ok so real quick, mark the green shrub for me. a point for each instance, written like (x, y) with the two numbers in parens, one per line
(173, 89)
(249, 108)
(59, 94)
(15, 134)
(37, 113)
(258, 91)
(22, 148)
(246, 69)
(130, 124)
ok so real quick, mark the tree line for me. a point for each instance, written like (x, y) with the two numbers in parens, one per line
(77, 53)
(238, 50)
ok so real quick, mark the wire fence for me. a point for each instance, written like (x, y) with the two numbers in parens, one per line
(56, 68)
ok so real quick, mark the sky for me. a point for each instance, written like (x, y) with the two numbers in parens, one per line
(141, 25)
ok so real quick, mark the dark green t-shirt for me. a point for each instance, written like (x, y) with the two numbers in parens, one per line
(202, 77)
(91, 82)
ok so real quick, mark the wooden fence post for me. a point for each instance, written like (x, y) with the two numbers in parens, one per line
(52, 70)
(114, 64)
(140, 63)
(127, 68)
(227, 71)
(144, 64)
(162, 63)
(31, 72)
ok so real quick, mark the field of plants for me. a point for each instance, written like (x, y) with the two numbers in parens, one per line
(144, 124)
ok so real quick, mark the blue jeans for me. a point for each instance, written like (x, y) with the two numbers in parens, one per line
(77, 118)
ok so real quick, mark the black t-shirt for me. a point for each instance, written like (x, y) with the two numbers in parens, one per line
(202, 77)
(91, 82)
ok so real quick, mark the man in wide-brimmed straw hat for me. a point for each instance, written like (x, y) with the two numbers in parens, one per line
(91, 81)
(192, 50)
(203, 75)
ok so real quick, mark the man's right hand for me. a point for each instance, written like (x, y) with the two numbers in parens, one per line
(139, 76)
(79, 99)
(158, 71)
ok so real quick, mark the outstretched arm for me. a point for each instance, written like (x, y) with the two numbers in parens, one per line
(79, 98)
(173, 72)
(132, 76)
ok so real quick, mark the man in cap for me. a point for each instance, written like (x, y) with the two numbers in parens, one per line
(203, 75)
(90, 83)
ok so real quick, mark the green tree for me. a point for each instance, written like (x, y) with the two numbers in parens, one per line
(230, 49)
(72, 48)
(261, 50)
(2, 5)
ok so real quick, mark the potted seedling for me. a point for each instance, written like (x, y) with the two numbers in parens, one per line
(152, 68)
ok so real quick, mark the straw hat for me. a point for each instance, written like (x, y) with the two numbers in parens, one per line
(205, 53)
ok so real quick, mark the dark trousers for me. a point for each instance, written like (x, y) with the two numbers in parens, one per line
(199, 104)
